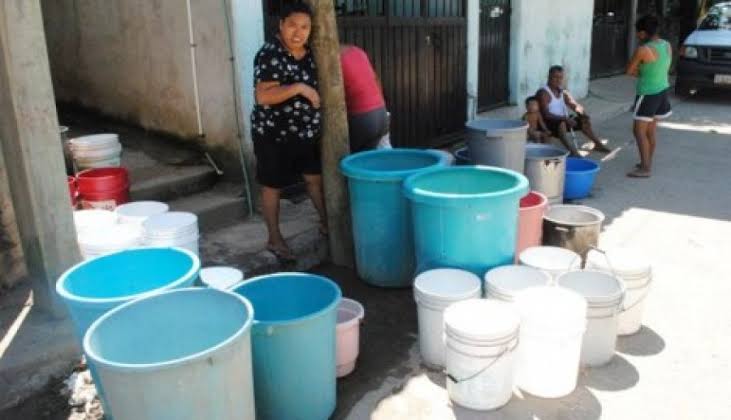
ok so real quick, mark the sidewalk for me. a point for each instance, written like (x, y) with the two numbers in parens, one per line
(608, 97)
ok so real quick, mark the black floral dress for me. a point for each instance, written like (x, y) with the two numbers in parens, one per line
(286, 135)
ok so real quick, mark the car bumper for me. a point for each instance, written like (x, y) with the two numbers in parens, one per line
(697, 74)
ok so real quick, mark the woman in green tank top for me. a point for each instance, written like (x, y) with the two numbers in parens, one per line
(650, 64)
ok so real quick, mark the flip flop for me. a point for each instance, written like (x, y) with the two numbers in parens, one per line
(639, 173)
(284, 255)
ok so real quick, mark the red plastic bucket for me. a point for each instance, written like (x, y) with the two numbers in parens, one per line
(103, 188)
(530, 221)
(73, 190)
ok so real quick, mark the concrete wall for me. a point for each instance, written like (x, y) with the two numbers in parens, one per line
(548, 32)
(131, 59)
(12, 263)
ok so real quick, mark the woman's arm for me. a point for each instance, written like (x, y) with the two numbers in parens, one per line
(273, 93)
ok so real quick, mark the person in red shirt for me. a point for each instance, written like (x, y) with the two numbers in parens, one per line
(368, 118)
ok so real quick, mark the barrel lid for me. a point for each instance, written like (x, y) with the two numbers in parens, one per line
(113, 237)
(94, 140)
(551, 308)
(221, 277)
(550, 258)
(141, 209)
(94, 218)
(171, 222)
(510, 279)
(625, 262)
(447, 284)
(597, 287)
(481, 319)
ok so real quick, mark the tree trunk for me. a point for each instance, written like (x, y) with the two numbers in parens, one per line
(334, 145)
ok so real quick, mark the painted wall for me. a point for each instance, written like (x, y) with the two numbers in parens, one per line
(131, 59)
(548, 32)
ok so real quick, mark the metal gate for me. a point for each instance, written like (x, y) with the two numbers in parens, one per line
(418, 49)
(609, 37)
(494, 53)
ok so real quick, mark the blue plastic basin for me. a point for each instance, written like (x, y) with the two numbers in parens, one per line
(381, 218)
(465, 217)
(180, 354)
(293, 341)
(580, 177)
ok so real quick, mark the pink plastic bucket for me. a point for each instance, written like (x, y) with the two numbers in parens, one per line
(530, 222)
(350, 315)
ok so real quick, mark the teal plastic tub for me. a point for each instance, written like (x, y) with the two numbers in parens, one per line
(465, 217)
(293, 342)
(381, 217)
(180, 354)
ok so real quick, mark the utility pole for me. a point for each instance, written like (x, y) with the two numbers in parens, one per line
(334, 144)
(31, 146)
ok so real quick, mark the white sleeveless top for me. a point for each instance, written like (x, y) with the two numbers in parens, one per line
(557, 106)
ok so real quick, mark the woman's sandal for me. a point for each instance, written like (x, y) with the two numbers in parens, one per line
(282, 254)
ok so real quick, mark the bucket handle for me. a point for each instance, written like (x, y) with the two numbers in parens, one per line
(496, 359)
(614, 273)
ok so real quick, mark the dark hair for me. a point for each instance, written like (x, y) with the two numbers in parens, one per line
(530, 98)
(555, 69)
(647, 24)
(290, 8)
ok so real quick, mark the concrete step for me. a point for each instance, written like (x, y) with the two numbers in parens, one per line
(222, 205)
(166, 182)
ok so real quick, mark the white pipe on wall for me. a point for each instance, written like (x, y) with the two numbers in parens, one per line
(193, 66)
(473, 54)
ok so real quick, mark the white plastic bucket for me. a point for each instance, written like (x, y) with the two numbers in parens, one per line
(552, 324)
(636, 272)
(434, 291)
(350, 315)
(505, 282)
(172, 229)
(551, 259)
(96, 151)
(222, 278)
(113, 238)
(93, 219)
(604, 294)
(137, 212)
(481, 337)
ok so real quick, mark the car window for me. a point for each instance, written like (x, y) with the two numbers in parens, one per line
(718, 17)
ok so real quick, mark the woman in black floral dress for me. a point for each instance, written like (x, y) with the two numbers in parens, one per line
(286, 121)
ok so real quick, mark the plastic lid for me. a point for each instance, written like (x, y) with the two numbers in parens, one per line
(510, 279)
(552, 308)
(171, 222)
(624, 262)
(94, 140)
(141, 209)
(114, 237)
(597, 287)
(550, 258)
(447, 284)
(94, 218)
(221, 277)
(481, 319)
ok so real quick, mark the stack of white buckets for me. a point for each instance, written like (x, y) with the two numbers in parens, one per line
(96, 151)
(535, 327)
(139, 223)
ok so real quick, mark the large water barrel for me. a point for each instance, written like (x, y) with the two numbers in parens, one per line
(293, 341)
(465, 216)
(497, 143)
(181, 354)
(93, 287)
(384, 248)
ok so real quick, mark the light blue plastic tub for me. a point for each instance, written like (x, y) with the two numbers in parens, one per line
(465, 217)
(381, 218)
(180, 354)
(93, 287)
(293, 341)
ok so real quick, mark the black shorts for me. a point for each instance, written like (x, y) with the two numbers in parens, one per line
(652, 107)
(553, 125)
(366, 130)
(280, 164)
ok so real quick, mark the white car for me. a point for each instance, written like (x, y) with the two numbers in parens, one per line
(705, 57)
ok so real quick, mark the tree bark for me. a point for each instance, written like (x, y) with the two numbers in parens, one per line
(334, 144)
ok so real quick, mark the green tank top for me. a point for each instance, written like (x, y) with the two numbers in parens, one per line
(653, 77)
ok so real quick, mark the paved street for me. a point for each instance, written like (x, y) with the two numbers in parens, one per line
(677, 367)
